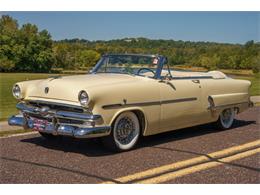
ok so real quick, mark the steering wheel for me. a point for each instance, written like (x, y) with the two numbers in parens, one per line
(148, 70)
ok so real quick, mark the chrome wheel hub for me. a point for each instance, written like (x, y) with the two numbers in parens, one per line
(125, 130)
(226, 116)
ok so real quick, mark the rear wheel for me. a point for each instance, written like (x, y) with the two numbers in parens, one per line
(226, 118)
(125, 132)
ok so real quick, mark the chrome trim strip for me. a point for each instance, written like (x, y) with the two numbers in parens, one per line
(54, 103)
(179, 100)
(113, 106)
(52, 99)
(26, 108)
(92, 132)
(76, 116)
(228, 105)
(189, 78)
(110, 106)
(57, 114)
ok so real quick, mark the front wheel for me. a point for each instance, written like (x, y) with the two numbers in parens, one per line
(226, 118)
(125, 132)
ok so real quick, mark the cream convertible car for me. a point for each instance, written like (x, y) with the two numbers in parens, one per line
(127, 96)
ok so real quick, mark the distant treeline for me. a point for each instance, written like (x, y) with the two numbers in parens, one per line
(28, 49)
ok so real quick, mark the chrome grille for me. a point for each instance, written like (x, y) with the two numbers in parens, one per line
(70, 121)
(57, 107)
(58, 113)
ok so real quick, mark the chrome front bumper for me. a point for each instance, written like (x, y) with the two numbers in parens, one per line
(82, 125)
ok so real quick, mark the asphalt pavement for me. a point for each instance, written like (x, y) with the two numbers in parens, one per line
(202, 154)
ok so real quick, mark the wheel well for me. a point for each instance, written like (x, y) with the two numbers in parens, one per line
(141, 118)
(140, 115)
(236, 110)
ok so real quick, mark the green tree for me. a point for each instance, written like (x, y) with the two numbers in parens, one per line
(36, 54)
(86, 59)
(8, 41)
(6, 64)
(24, 49)
(256, 63)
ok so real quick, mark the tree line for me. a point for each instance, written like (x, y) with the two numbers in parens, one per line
(26, 49)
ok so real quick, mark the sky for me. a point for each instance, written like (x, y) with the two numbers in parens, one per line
(223, 27)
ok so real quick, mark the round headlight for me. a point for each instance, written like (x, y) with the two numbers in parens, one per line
(17, 92)
(83, 98)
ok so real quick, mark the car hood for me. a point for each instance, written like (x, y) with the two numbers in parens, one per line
(67, 88)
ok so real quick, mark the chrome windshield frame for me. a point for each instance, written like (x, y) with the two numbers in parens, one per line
(161, 62)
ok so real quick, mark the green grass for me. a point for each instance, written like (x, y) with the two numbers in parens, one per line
(255, 80)
(8, 102)
(12, 132)
(7, 80)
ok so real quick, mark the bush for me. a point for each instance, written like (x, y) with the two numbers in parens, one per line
(256, 69)
(6, 65)
(25, 48)
(256, 64)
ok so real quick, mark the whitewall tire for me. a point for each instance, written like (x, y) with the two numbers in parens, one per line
(125, 132)
(226, 118)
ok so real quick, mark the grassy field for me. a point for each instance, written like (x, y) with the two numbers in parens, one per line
(255, 80)
(8, 102)
(11, 132)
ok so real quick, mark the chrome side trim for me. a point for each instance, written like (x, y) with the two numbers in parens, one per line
(113, 106)
(191, 77)
(179, 100)
(212, 108)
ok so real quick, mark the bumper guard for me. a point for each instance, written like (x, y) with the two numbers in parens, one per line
(87, 129)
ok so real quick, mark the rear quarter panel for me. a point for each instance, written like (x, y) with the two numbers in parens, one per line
(224, 92)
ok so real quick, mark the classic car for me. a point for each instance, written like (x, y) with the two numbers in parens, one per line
(126, 96)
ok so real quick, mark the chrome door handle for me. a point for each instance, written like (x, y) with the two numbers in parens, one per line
(196, 81)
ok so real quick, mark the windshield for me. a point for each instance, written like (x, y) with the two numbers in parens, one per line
(128, 64)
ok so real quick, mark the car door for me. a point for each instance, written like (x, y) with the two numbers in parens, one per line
(180, 103)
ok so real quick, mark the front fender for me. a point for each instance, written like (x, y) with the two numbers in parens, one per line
(118, 112)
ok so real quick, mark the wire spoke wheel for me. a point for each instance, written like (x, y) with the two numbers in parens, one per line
(126, 130)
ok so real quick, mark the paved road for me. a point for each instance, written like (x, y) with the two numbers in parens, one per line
(201, 154)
